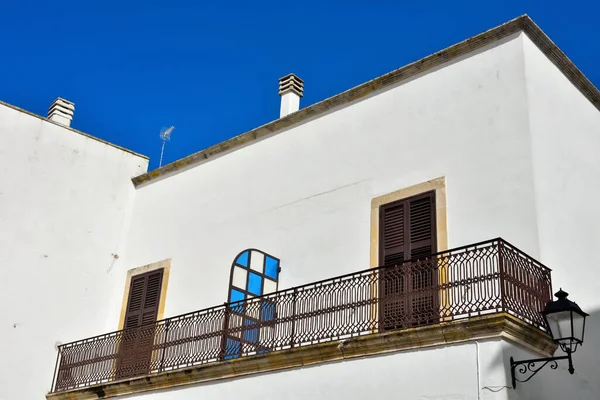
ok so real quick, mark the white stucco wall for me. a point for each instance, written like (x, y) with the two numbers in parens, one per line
(64, 202)
(565, 137)
(468, 371)
(304, 195)
(555, 384)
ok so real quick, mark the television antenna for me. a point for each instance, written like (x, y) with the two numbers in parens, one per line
(165, 136)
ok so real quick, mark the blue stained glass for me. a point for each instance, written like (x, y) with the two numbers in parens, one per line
(271, 267)
(267, 312)
(251, 335)
(236, 295)
(232, 349)
(243, 259)
(255, 284)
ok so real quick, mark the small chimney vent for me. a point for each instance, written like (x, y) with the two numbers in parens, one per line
(61, 111)
(291, 88)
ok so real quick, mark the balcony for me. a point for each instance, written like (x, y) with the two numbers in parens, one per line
(469, 282)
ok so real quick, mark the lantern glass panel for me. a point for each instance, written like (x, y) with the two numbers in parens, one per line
(560, 324)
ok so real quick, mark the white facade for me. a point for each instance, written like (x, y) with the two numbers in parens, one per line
(487, 123)
(305, 195)
(565, 139)
(65, 200)
(470, 371)
(515, 141)
(452, 372)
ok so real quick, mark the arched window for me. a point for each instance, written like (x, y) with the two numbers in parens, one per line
(253, 273)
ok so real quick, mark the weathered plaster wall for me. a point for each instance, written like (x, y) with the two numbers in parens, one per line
(64, 204)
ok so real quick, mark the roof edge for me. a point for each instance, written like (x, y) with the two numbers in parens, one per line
(561, 60)
(74, 130)
(520, 24)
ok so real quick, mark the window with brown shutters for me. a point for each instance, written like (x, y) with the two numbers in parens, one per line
(407, 239)
(137, 339)
(144, 298)
(407, 229)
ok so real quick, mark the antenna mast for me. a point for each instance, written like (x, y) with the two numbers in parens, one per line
(165, 136)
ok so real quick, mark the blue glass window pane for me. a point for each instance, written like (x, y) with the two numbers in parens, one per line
(232, 348)
(243, 259)
(236, 295)
(255, 284)
(271, 267)
(251, 335)
(268, 311)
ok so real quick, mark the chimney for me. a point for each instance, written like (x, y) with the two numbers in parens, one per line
(291, 88)
(61, 111)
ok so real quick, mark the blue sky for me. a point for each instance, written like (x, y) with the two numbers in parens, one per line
(212, 68)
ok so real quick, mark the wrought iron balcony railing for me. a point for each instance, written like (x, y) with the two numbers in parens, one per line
(483, 278)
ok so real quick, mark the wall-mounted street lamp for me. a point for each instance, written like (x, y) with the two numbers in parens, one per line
(567, 325)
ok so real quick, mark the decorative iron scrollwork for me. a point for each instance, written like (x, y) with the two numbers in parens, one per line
(529, 368)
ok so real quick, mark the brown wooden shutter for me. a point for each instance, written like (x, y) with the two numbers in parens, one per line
(393, 233)
(144, 298)
(136, 342)
(422, 226)
(407, 232)
(424, 301)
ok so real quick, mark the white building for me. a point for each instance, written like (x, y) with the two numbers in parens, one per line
(496, 136)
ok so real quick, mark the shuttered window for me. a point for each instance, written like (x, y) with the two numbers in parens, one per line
(407, 229)
(407, 232)
(136, 342)
(144, 298)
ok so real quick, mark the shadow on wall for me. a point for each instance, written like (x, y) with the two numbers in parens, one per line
(557, 384)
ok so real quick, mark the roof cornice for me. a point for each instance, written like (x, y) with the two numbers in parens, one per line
(519, 24)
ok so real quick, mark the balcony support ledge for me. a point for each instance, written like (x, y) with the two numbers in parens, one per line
(491, 326)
